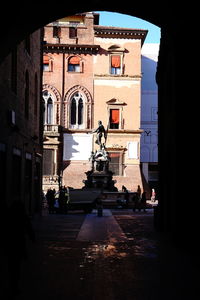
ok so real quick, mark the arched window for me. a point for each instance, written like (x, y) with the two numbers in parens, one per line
(48, 107)
(74, 64)
(73, 112)
(50, 111)
(77, 111)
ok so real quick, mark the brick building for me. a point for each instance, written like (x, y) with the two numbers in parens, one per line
(21, 124)
(91, 73)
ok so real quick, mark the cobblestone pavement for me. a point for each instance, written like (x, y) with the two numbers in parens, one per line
(144, 266)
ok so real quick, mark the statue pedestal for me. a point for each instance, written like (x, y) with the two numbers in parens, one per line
(100, 177)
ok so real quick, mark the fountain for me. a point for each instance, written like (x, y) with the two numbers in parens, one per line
(100, 177)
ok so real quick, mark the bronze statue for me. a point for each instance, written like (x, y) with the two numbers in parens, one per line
(100, 133)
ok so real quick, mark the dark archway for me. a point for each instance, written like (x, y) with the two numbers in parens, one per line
(175, 78)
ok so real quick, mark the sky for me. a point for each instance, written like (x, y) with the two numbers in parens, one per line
(122, 20)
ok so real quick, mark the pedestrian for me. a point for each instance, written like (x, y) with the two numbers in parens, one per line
(135, 200)
(139, 191)
(126, 197)
(50, 195)
(153, 195)
(65, 199)
(143, 201)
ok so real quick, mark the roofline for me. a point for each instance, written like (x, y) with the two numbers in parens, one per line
(119, 32)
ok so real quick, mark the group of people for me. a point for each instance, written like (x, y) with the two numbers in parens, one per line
(60, 203)
(139, 200)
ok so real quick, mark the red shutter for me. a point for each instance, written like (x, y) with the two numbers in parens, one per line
(115, 61)
(114, 116)
(114, 154)
(74, 60)
(45, 59)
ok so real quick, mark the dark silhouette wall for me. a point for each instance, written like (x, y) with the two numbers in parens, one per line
(177, 90)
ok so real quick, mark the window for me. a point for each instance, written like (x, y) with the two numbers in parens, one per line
(72, 32)
(115, 65)
(74, 64)
(114, 118)
(48, 161)
(77, 111)
(46, 65)
(77, 108)
(48, 107)
(56, 32)
(115, 163)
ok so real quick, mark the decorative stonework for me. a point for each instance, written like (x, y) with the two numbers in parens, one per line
(52, 89)
(78, 88)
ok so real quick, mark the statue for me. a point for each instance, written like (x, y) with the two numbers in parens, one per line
(100, 133)
(100, 177)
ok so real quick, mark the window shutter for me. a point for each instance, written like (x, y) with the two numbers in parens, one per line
(45, 59)
(115, 61)
(114, 116)
(74, 60)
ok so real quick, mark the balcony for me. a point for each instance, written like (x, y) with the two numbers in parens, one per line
(52, 130)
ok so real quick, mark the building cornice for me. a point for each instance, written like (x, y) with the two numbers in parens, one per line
(115, 131)
(118, 32)
(117, 77)
(71, 48)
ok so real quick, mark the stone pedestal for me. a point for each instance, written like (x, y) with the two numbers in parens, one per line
(100, 177)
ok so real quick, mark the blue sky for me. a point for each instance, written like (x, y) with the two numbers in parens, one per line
(121, 20)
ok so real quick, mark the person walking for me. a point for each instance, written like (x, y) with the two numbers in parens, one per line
(136, 202)
(143, 201)
(50, 195)
(139, 191)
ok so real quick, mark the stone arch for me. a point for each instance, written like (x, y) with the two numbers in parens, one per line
(53, 90)
(170, 216)
(79, 88)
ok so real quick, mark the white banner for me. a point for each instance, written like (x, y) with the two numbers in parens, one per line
(133, 150)
(77, 146)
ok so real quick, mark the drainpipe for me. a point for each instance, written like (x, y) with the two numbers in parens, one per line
(63, 93)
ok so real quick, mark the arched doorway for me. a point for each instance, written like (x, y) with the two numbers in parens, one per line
(172, 68)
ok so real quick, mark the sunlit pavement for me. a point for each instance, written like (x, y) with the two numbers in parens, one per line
(126, 259)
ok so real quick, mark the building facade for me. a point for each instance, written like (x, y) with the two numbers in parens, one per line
(21, 124)
(149, 115)
(91, 73)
